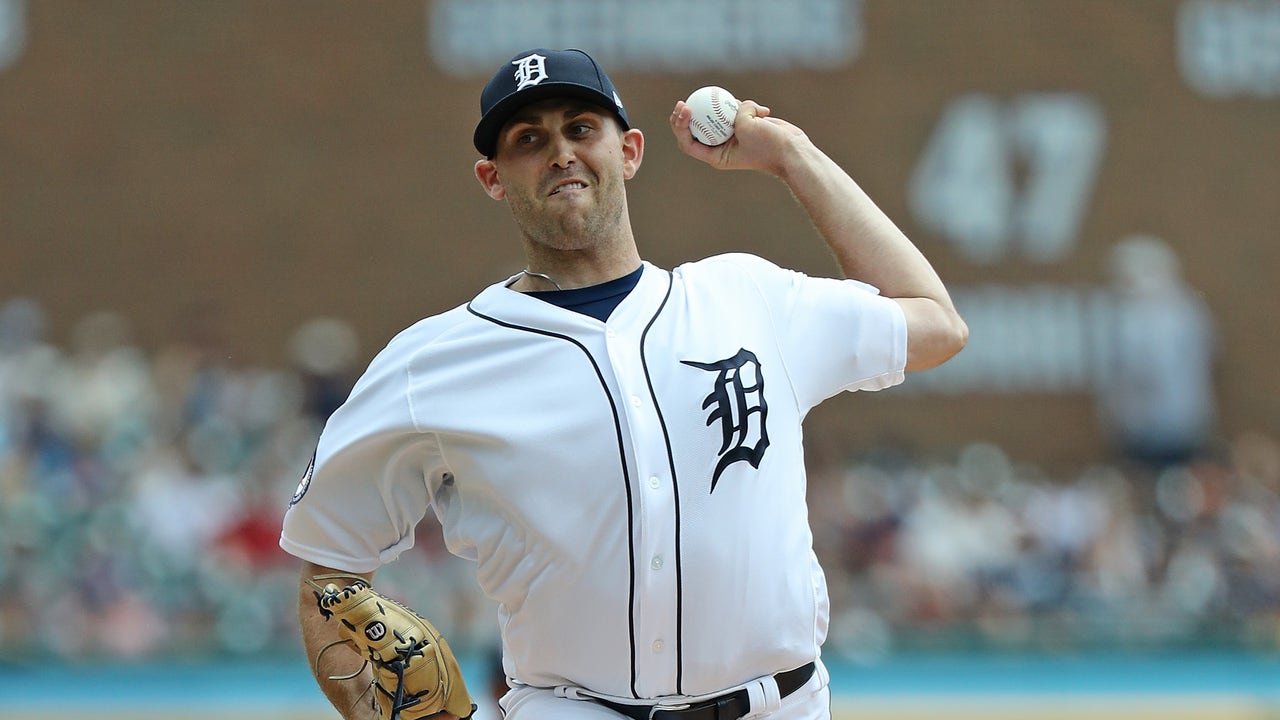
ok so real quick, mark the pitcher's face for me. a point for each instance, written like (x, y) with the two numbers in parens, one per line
(561, 165)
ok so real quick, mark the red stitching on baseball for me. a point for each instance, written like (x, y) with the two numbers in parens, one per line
(715, 106)
(719, 111)
(703, 130)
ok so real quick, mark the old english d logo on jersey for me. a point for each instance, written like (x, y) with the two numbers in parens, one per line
(530, 70)
(737, 402)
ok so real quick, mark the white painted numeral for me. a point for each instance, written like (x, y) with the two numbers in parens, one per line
(13, 31)
(1003, 178)
(1228, 48)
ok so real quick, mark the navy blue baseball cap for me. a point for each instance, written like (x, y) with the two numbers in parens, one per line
(536, 75)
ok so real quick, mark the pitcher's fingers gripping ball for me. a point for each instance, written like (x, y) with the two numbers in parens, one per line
(415, 673)
(714, 112)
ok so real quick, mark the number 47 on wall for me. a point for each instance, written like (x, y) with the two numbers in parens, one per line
(999, 179)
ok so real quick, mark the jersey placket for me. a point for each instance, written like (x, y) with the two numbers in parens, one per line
(656, 573)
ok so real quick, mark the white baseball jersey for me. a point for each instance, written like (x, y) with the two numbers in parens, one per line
(633, 491)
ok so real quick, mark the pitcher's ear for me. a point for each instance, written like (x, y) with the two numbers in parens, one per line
(487, 174)
(632, 152)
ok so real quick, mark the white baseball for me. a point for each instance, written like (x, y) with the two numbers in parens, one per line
(714, 111)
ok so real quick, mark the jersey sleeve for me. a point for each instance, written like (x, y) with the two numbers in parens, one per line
(367, 487)
(834, 335)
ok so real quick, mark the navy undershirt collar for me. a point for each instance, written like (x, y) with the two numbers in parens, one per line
(596, 301)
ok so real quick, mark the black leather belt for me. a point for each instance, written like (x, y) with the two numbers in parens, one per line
(726, 707)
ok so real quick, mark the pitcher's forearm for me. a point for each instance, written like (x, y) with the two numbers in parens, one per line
(868, 246)
(350, 697)
(866, 243)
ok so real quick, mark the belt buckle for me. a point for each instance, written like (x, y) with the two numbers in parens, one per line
(667, 708)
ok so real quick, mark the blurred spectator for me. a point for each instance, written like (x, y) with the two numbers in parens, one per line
(181, 502)
(105, 397)
(29, 368)
(1156, 395)
(324, 351)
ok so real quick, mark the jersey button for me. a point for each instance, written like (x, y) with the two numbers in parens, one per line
(658, 645)
(654, 482)
(656, 562)
(635, 401)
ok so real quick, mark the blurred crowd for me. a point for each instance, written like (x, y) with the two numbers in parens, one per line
(980, 553)
(141, 496)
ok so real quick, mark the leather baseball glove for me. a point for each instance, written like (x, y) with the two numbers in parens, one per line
(415, 673)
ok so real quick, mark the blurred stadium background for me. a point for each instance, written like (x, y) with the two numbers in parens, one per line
(213, 214)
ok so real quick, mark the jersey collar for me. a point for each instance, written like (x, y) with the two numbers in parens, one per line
(509, 306)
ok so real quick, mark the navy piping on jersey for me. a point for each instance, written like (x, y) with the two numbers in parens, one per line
(675, 489)
(596, 301)
(626, 476)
